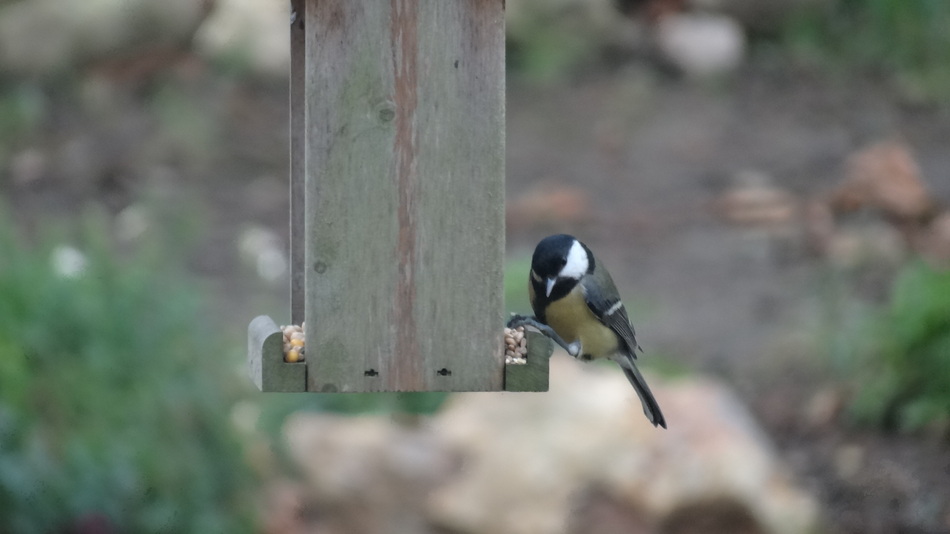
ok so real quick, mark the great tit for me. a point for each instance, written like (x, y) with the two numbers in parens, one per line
(576, 304)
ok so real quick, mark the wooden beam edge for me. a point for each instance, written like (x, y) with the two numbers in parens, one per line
(534, 374)
(265, 359)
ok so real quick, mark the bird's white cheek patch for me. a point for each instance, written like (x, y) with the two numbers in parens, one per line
(577, 262)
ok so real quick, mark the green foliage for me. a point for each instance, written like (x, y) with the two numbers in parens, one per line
(22, 108)
(907, 39)
(548, 40)
(516, 285)
(901, 355)
(186, 129)
(114, 401)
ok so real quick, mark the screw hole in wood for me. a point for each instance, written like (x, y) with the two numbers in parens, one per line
(443, 372)
(371, 372)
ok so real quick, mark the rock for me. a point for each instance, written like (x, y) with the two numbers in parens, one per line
(701, 45)
(370, 474)
(550, 448)
(755, 201)
(547, 206)
(40, 37)
(285, 509)
(265, 250)
(884, 177)
(255, 31)
(580, 458)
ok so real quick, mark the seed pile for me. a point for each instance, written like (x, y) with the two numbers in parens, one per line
(516, 346)
(294, 342)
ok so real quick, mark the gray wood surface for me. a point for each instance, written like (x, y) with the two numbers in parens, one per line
(533, 375)
(405, 194)
(265, 359)
(297, 160)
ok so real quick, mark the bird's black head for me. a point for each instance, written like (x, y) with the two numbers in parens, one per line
(559, 261)
(550, 256)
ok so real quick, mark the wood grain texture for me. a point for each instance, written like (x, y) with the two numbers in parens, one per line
(297, 160)
(405, 194)
(533, 375)
(265, 359)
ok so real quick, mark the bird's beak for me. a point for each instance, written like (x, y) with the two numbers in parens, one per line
(550, 286)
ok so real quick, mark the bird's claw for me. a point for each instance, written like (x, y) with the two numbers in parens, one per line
(519, 320)
(574, 349)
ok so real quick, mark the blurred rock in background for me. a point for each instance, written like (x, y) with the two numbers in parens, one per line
(581, 454)
(701, 44)
(252, 31)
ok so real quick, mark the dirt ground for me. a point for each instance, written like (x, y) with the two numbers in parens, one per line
(738, 303)
(651, 155)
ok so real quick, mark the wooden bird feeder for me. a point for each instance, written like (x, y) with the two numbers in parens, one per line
(397, 202)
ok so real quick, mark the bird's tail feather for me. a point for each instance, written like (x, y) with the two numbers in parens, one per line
(650, 407)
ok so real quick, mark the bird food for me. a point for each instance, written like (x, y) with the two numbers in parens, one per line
(516, 346)
(294, 342)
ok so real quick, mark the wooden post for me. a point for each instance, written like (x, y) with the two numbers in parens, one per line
(297, 159)
(404, 228)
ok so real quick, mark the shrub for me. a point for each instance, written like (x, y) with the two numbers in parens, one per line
(113, 399)
(902, 366)
(907, 40)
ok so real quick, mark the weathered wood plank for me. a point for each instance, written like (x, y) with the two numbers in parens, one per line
(533, 375)
(297, 160)
(265, 359)
(405, 194)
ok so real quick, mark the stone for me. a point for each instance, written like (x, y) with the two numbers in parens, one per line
(589, 431)
(579, 458)
(701, 45)
(254, 31)
(370, 473)
(755, 200)
(884, 177)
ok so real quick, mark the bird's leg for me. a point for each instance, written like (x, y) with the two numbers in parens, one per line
(574, 349)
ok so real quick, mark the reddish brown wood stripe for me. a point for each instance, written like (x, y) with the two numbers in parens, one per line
(405, 370)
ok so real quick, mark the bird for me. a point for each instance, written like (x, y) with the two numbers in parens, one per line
(577, 305)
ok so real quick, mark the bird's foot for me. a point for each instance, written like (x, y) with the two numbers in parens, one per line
(574, 349)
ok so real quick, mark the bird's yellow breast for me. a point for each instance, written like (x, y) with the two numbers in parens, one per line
(572, 320)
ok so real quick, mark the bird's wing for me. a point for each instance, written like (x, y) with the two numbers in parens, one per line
(600, 293)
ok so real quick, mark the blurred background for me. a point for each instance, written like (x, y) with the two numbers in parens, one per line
(767, 180)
